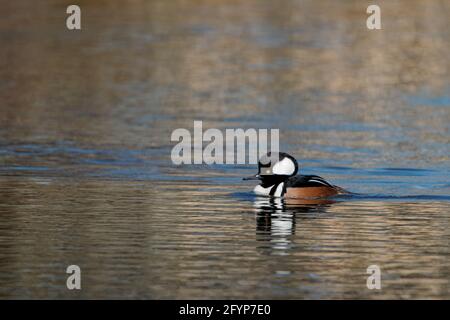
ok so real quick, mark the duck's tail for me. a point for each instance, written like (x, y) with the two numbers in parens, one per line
(342, 191)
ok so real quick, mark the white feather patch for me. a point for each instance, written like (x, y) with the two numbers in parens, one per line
(279, 191)
(259, 190)
(319, 181)
(284, 167)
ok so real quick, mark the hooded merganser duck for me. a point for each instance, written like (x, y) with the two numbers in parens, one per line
(278, 175)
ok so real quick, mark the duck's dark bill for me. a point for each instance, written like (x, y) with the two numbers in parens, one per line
(255, 177)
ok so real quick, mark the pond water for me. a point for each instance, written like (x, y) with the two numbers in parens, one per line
(86, 176)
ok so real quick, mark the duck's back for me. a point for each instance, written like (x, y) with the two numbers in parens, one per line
(310, 186)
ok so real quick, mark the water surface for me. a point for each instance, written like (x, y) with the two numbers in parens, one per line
(85, 170)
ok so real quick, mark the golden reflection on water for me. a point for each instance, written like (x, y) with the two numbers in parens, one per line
(131, 243)
(85, 171)
(137, 71)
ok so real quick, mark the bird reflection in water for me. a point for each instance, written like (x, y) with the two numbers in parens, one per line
(276, 220)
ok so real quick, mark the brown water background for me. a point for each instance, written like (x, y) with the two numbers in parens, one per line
(85, 170)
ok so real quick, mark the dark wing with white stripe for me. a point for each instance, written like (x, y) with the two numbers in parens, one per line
(307, 181)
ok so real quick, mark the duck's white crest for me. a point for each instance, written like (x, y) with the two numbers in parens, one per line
(284, 167)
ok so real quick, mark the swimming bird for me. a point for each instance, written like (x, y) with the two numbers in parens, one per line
(278, 175)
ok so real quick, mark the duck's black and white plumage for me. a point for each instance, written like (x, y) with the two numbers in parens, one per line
(278, 175)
